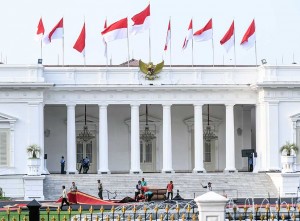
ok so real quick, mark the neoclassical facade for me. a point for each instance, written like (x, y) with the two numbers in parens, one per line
(256, 108)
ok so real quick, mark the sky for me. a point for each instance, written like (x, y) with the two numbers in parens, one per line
(277, 30)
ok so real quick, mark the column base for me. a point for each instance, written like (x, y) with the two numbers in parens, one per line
(199, 170)
(72, 172)
(136, 172)
(168, 171)
(104, 172)
(231, 170)
(33, 187)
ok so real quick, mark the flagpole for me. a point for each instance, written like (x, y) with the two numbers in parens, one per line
(84, 59)
(234, 48)
(213, 47)
(255, 53)
(170, 43)
(149, 39)
(106, 46)
(63, 47)
(128, 44)
(192, 43)
(41, 48)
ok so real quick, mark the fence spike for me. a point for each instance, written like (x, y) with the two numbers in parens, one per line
(194, 217)
(69, 209)
(58, 210)
(91, 209)
(53, 218)
(64, 218)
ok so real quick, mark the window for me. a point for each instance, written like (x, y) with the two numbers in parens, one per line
(4, 146)
(207, 152)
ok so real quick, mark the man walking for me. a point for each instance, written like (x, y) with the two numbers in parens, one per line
(64, 197)
(100, 189)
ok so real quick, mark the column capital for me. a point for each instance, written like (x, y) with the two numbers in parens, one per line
(70, 105)
(166, 105)
(273, 102)
(102, 105)
(135, 104)
(198, 104)
(229, 104)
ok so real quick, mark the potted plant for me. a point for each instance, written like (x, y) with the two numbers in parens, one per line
(288, 148)
(34, 151)
(34, 160)
(288, 152)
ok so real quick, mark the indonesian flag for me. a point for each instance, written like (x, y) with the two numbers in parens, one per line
(228, 40)
(115, 31)
(205, 33)
(249, 38)
(80, 43)
(56, 33)
(189, 35)
(105, 44)
(168, 38)
(141, 21)
(40, 30)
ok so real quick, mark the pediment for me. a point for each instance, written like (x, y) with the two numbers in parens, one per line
(295, 117)
(7, 118)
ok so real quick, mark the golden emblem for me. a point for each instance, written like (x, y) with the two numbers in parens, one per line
(150, 70)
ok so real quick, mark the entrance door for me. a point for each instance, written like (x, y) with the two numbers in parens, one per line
(147, 156)
(87, 149)
(209, 156)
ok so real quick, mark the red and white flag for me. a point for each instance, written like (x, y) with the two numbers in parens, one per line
(189, 35)
(104, 42)
(168, 38)
(115, 31)
(249, 38)
(228, 40)
(141, 21)
(80, 43)
(56, 33)
(204, 34)
(40, 30)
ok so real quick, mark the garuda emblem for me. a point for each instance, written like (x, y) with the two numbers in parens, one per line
(150, 70)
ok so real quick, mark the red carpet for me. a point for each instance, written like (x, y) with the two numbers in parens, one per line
(83, 198)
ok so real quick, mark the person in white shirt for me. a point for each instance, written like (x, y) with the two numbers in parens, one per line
(64, 198)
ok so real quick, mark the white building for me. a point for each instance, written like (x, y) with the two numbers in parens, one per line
(249, 108)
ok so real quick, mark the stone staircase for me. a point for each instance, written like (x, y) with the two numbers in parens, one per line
(234, 185)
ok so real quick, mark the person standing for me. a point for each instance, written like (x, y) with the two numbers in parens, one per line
(64, 198)
(143, 182)
(62, 165)
(100, 189)
(138, 189)
(73, 188)
(170, 188)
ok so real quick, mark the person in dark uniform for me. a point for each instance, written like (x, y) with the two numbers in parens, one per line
(62, 165)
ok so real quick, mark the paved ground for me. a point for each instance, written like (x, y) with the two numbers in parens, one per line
(240, 202)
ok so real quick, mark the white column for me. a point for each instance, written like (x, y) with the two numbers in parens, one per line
(198, 139)
(42, 135)
(167, 140)
(135, 166)
(103, 136)
(34, 124)
(230, 149)
(272, 147)
(35, 131)
(71, 139)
